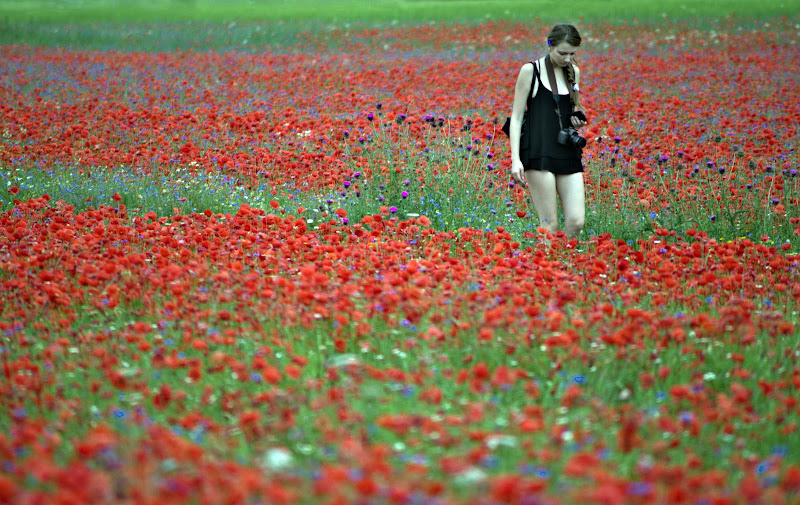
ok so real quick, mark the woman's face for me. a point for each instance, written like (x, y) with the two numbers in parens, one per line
(562, 54)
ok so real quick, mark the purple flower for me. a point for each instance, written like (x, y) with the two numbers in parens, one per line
(404, 194)
(639, 488)
(370, 116)
(393, 209)
(406, 183)
(346, 184)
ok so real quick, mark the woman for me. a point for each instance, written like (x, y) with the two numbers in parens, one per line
(550, 169)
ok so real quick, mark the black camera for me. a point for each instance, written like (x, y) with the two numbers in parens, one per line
(570, 137)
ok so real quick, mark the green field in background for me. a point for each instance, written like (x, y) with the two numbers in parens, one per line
(386, 10)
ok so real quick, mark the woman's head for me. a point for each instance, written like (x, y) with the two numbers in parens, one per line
(563, 33)
(562, 44)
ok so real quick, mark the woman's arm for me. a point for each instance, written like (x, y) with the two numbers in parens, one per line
(521, 92)
(577, 106)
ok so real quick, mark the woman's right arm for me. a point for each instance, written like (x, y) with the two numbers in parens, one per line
(521, 92)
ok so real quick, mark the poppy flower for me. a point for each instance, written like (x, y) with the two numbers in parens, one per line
(344, 269)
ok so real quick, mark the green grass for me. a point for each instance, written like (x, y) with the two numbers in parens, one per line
(385, 10)
(169, 25)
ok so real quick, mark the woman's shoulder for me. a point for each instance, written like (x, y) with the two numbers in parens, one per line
(526, 70)
(532, 66)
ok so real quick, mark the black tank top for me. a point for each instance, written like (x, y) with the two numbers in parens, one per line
(543, 127)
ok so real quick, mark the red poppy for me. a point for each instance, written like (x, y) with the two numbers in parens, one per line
(203, 327)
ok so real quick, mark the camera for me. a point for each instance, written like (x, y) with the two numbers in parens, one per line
(570, 137)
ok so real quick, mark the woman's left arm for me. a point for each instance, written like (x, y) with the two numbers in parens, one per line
(577, 106)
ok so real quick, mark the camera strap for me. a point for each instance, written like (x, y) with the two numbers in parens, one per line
(551, 75)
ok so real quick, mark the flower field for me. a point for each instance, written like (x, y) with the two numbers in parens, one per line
(299, 272)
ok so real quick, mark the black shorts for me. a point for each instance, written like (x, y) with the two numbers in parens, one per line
(555, 165)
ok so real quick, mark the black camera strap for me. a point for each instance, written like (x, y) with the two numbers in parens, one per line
(551, 74)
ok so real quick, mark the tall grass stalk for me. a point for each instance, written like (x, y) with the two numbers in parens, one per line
(183, 190)
(454, 180)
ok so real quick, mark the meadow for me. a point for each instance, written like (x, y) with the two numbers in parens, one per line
(272, 254)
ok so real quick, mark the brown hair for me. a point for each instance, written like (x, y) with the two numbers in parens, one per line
(569, 34)
(563, 32)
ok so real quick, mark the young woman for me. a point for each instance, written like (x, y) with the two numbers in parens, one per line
(551, 169)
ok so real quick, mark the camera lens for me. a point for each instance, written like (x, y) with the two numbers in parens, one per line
(578, 141)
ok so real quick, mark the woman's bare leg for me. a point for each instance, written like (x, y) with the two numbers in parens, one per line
(542, 185)
(571, 191)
